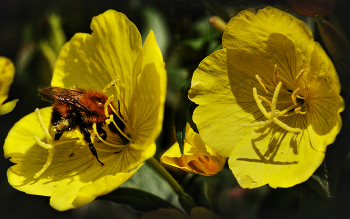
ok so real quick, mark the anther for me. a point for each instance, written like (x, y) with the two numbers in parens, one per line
(265, 100)
(110, 85)
(276, 75)
(294, 95)
(261, 83)
(299, 75)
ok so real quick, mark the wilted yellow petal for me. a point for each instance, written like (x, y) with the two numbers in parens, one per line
(197, 158)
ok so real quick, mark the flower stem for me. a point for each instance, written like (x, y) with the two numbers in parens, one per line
(185, 200)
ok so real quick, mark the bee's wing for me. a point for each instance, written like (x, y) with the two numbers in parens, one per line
(53, 94)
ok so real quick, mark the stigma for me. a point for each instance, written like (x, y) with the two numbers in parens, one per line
(297, 102)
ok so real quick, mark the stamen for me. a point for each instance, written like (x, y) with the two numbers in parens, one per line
(49, 146)
(298, 110)
(261, 83)
(42, 125)
(265, 100)
(299, 75)
(274, 98)
(110, 85)
(46, 165)
(272, 116)
(120, 131)
(260, 123)
(258, 102)
(119, 98)
(276, 75)
(285, 126)
(109, 100)
(282, 113)
(294, 95)
(103, 141)
(115, 112)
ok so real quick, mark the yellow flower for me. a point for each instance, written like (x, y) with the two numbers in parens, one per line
(269, 100)
(7, 72)
(198, 158)
(196, 213)
(71, 175)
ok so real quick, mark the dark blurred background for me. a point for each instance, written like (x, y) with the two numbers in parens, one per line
(31, 34)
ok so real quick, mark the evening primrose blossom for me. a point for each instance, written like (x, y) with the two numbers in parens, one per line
(7, 72)
(110, 60)
(198, 158)
(269, 100)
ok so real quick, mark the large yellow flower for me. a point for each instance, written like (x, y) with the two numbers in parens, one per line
(7, 72)
(72, 175)
(198, 158)
(269, 100)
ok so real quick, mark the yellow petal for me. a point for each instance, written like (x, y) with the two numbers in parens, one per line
(211, 90)
(197, 158)
(73, 166)
(28, 157)
(283, 161)
(149, 97)
(255, 30)
(7, 72)
(8, 107)
(325, 103)
(68, 195)
(93, 61)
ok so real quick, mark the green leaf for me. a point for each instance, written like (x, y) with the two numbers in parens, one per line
(181, 112)
(146, 178)
(319, 181)
(193, 125)
(139, 200)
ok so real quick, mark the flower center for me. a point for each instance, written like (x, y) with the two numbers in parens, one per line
(298, 97)
(121, 125)
(112, 122)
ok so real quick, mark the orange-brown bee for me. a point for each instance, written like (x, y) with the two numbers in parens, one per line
(80, 109)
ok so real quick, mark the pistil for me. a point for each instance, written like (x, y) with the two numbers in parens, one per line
(50, 145)
(272, 117)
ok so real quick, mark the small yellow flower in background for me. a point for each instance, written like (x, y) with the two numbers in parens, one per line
(197, 158)
(7, 72)
(269, 100)
(65, 169)
(196, 213)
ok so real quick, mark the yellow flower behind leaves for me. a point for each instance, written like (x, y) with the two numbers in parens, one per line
(269, 100)
(7, 72)
(197, 158)
(72, 176)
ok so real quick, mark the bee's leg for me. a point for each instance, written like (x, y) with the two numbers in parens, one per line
(102, 133)
(87, 138)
